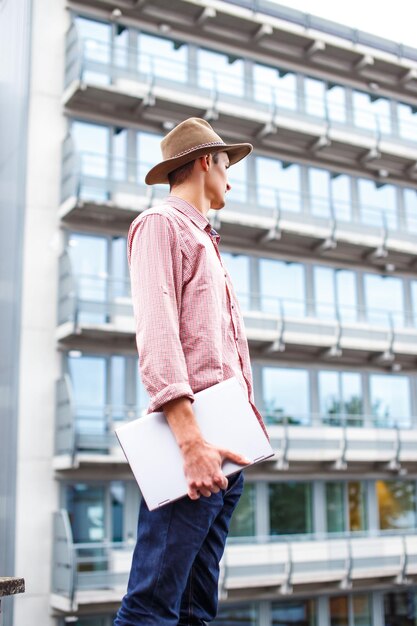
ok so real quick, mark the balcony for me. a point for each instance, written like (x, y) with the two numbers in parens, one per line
(282, 34)
(99, 308)
(95, 574)
(85, 439)
(109, 191)
(108, 80)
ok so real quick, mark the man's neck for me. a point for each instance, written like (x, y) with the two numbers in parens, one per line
(193, 197)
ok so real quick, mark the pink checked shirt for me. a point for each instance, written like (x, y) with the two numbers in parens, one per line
(189, 327)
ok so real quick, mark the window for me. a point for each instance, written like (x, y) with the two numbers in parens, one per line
(335, 294)
(384, 300)
(336, 102)
(119, 154)
(243, 520)
(238, 179)
(290, 508)
(315, 97)
(378, 204)
(286, 395)
(396, 504)
(407, 120)
(237, 615)
(341, 196)
(294, 613)
(238, 267)
(400, 608)
(282, 287)
(371, 112)
(410, 204)
(96, 40)
(329, 189)
(354, 610)
(148, 153)
(345, 506)
(390, 400)
(278, 184)
(340, 398)
(219, 72)
(89, 386)
(275, 87)
(162, 58)
(91, 144)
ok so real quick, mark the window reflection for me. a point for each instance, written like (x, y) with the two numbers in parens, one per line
(275, 87)
(91, 143)
(96, 39)
(378, 204)
(88, 255)
(294, 613)
(315, 97)
(237, 615)
(282, 287)
(352, 610)
(163, 58)
(384, 300)
(219, 72)
(335, 294)
(372, 112)
(345, 506)
(89, 387)
(390, 400)
(400, 608)
(340, 398)
(243, 520)
(286, 395)
(396, 504)
(290, 508)
(407, 120)
(278, 184)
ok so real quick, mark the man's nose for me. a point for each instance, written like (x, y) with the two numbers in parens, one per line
(228, 186)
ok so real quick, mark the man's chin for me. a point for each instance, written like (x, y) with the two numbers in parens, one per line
(218, 205)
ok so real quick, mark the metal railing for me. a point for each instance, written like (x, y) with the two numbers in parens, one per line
(97, 62)
(102, 179)
(248, 562)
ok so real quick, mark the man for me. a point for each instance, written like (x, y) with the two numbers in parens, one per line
(190, 336)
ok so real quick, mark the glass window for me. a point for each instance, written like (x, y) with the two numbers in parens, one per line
(275, 87)
(384, 299)
(278, 184)
(238, 267)
(237, 615)
(118, 387)
(413, 286)
(293, 613)
(400, 608)
(120, 282)
(219, 72)
(117, 499)
(335, 294)
(378, 204)
(341, 196)
(243, 520)
(352, 610)
(286, 395)
(85, 505)
(320, 191)
(390, 399)
(119, 154)
(282, 287)
(340, 398)
(163, 58)
(91, 143)
(96, 40)
(315, 97)
(148, 152)
(371, 112)
(238, 179)
(345, 506)
(407, 120)
(410, 204)
(290, 508)
(88, 255)
(396, 504)
(336, 103)
(89, 386)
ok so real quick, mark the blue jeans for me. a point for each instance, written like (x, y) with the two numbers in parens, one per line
(175, 568)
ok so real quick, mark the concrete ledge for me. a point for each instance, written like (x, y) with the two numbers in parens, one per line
(10, 586)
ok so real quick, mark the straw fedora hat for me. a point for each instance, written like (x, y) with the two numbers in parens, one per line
(189, 140)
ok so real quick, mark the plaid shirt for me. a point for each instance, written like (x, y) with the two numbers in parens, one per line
(189, 327)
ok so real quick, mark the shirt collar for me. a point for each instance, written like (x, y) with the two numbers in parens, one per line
(191, 212)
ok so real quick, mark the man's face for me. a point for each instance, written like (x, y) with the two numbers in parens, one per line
(216, 182)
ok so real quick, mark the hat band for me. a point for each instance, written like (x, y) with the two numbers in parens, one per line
(201, 145)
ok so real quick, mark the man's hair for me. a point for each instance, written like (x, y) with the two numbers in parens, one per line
(182, 173)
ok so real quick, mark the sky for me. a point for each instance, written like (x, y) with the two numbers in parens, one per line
(393, 20)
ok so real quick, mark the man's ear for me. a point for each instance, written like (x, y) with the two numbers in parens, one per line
(205, 162)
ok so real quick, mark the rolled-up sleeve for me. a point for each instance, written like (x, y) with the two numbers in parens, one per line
(156, 268)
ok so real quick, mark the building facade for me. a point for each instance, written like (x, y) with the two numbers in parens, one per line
(320, 237)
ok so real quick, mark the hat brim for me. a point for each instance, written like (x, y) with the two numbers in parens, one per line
(159, 173)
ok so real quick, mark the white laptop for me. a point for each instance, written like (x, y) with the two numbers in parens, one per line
(226, 419)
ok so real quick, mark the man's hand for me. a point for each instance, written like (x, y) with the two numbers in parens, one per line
(203, 467)
(202, 461)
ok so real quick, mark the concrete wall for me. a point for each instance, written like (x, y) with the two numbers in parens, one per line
(39, 361)
(15, 26)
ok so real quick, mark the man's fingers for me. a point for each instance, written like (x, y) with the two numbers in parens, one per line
(234, 457)
(221, 481)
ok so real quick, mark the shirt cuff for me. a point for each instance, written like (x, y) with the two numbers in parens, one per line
(171, 392)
